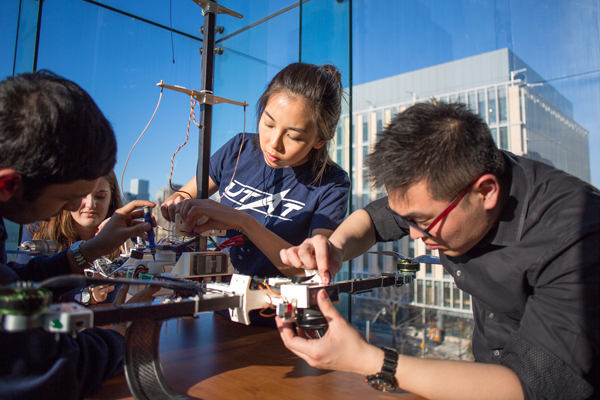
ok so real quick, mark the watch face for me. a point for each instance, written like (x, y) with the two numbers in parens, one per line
(381, 384)
(85, 296)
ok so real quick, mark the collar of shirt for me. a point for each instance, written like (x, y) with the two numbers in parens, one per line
(510, 227)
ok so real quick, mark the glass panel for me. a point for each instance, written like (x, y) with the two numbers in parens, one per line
(439, 295)
(502, 104)
(455, 296)
(411, 292)
(379, 121)
(365, 200)
(504, 138)
(492, 105)
(494, 133)
(428, 270)
(472, 101)
(25, 54)
(447, 294)
(481, 104)
(365, 128)
(429, 292)
(466, 301)
(420, 291)
(9, 18)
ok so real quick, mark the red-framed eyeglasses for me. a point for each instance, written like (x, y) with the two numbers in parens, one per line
(440, 217)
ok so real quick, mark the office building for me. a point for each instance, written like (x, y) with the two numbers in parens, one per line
(138, 190)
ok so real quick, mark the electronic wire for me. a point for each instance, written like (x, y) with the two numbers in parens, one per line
(136, 142)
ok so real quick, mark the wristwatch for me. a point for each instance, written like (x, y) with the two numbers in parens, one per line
(385, 380)
(84, 296)
(76, 250)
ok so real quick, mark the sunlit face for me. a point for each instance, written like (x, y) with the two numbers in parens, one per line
(287, 134)
(93, 208)
(455, 234)
(53, 200)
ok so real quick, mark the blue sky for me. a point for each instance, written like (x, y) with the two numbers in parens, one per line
(119, 59)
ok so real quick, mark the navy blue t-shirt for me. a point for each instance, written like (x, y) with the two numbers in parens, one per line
(286, 201)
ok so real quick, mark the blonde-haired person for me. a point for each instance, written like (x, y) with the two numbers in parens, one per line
(69, 227)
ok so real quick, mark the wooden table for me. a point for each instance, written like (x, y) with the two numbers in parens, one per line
(213, 358)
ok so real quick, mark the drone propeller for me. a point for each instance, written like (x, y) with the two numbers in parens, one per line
(423, 259)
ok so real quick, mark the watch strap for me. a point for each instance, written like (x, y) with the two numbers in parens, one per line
(386, 379)
(76, 250)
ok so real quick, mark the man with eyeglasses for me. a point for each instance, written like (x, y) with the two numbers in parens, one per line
(521, 237)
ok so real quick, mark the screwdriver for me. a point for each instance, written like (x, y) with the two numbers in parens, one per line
(151, 244)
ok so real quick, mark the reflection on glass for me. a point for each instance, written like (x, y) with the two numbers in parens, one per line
(429, 292)
(447, 294)
(439, 297)
(466, 301)
(472, 101)
(504, 138)
(481, 108)
(365, 129)
(494, 135)
(455, 296)
(492, 104)
(502, 105)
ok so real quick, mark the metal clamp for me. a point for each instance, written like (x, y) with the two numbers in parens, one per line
(212, 7)
(202, 97)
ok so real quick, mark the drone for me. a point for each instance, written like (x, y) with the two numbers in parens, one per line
(28, 305)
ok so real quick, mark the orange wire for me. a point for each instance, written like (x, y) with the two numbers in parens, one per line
(191, 117)
(269, 306)
(269, 289)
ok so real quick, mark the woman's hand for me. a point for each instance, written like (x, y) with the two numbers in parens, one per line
(169, 207)
(220, 217)
(315, 253)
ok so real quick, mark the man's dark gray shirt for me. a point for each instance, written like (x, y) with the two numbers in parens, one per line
(534, 280)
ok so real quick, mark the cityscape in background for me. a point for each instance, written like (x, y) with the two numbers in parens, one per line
(525, 118)
(529, 69)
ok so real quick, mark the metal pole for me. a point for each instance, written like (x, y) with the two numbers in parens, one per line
(206, 85)
(207, 68)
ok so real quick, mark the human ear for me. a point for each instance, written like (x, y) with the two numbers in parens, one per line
(488, 188)
(319, 144)
(9, 183)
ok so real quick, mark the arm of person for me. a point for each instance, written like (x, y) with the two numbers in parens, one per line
(222, 217)
(353, 237)
(343, 348)
(169, 207)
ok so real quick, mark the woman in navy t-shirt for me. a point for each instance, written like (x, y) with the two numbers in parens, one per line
(277, 187)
